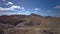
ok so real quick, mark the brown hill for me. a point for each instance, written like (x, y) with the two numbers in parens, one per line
(28, 20)
(15, 19)
(29, 23)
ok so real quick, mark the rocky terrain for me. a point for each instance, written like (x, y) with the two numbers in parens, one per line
(29, 24)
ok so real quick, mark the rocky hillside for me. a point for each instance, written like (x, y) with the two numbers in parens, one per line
(29, 24)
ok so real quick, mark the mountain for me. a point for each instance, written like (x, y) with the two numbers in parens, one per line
(29, 24)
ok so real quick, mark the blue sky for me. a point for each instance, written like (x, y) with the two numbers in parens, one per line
(41, 7)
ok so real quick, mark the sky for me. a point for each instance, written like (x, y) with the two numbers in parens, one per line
(27, 7)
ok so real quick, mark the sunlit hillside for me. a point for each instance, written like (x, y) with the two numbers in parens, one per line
(29, 24)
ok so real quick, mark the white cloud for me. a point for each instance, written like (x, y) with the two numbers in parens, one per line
(26, 13)
(4, 9)
(6, 13)
(36, 9)
(23, 10)
(22, 7)
(56, 7)
(9, 3)
(14, 7)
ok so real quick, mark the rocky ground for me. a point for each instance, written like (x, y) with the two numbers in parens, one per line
(31, 24)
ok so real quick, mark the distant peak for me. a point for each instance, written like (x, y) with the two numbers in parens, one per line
(35, 15)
